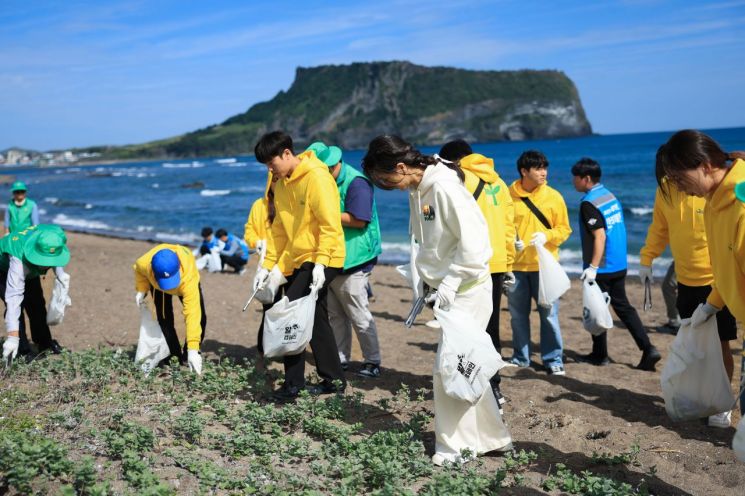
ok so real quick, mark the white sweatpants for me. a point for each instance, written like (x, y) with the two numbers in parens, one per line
(349, 309)
(458, 424)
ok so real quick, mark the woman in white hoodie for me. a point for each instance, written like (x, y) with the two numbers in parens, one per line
(454, 253)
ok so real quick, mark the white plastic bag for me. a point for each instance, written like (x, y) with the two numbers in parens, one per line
(276, 279)
(409, 272)
(738, 442)
(288, 325)
(152, 346)
(596, 315)
(694, 382)
(552, 280)
(214, 264)
(466, 359)
(60, 300)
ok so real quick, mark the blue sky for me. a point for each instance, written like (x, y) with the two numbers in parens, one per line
(78, 73)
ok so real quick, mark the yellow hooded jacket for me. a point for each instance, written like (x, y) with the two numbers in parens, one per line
(552, 205)
(188, 288)
(307, 226)
(679, 222)
(257, 225)
(725, 230)
(495, 203)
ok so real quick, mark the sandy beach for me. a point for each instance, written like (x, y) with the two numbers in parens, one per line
(565, 419)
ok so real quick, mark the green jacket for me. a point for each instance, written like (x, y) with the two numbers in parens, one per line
(12, 244)
(19, 218)
(362, 244)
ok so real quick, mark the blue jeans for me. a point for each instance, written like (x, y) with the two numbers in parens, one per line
(519, 299)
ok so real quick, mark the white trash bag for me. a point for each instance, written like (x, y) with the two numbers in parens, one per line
(694, 382)
(288, 325)
(552, 280)
(466, 359)
(596, 316)
(60, 300)
(152, 346)
(738, 443)
(214, 264)
(276, 279)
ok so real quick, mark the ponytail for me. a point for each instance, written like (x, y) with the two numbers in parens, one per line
(736, 156)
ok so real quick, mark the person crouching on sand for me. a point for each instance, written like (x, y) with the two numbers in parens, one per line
(454, 258)
(167, 271)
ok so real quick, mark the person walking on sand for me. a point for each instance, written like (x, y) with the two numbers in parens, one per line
(22, 212)
(307, 233)
(454, 258)
(540, 218)
(25, 256)
(348, 303)
(603, 234)
(495, 202)
(167, 271)
(678, 221)
(696, 165)
(234, 252)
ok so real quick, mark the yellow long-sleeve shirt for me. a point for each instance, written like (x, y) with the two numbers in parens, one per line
(552, 205)
(307, 226)
(679, 221)
(724, 216)
(188, 288)
(257, 224)
(495, 202)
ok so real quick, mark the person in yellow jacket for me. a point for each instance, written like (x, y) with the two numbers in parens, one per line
(540, 218)
(167, 271)
(696, 165)
(678, 221)
(495, 202)
(307, 238)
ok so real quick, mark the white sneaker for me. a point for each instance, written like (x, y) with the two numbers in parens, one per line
(433, 324)
(721, 420)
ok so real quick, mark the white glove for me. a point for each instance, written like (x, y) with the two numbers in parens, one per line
(645, 274)
(519, 245)
(589, 274)
(260, 279)
(508, 281)
(318, 276)
(443, 297)
(703, 313)
(140, 298)
(539, 238)
(10, 347)
(195, 361)
(261, 248)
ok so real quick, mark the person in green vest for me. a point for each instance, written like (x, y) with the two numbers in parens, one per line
(22, 212)
(25, 256)
(348, 296)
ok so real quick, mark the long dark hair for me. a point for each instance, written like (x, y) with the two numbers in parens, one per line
(687, 150)
(270, 208)
(385, 152)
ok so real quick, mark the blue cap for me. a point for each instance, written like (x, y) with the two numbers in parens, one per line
(166, 269)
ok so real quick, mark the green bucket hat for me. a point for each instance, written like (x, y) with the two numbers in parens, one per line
(47, 247)
(330, 156)
(18, 186)
(317, 147)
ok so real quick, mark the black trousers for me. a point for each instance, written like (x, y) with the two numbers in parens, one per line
(615, 286)
(690, 297)
(164, 309)
(492, 328)
(35, 307)
(234, 261)
(323, 342)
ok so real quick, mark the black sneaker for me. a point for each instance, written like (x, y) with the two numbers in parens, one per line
(369, 370)
(593, 360)
(345, 366)
(324, 387)
(650, 357)
(286, 394)
(54, 348)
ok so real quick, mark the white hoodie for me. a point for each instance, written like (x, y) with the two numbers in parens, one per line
(452, 233)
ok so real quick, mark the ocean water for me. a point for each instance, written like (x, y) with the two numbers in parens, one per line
(170, 201)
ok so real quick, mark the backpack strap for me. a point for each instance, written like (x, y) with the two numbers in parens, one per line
(479, 189)
(531, 206)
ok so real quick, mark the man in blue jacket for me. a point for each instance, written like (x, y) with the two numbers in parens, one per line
(234, 252)
(603, 234)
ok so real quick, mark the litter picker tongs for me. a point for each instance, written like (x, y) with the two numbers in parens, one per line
(647, 295)
(251, 298)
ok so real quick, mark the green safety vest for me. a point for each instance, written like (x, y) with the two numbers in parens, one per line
(20, 217)
(12, 244)
(362, 245)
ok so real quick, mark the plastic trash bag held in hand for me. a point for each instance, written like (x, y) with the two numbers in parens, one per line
(152, 346)
(596, 316)
(694, 382)
(466, 359)
(552, 280)
(268, 291)
(60, 300)
(288, 325)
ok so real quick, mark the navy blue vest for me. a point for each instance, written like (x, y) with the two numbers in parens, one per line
(614, 258)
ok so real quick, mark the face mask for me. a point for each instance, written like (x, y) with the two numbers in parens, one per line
(19, 203)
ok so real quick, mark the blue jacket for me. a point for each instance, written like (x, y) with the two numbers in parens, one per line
(614, 257)
(235, 245)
